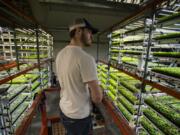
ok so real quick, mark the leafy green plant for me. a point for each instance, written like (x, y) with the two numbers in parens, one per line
(104, 70)
(161, 123)
(152, 130)
(28, 50)
(129, 86)
(149, 88)
(166, 18)
(45, 81)
(114, 34)
(111, 95)
(134, 61)
(176, 106)
(114, 51)
(167, 99)
(103, 80)
(124, 111)
(104, 75)
(116, 43)
(171, 71)
(142, 131)
(129, 95)
(25, 78)
(131, 52)
(114, 58)
(167, 54)
(33, 57)
(126, 104)
(113, 83)
(112, 89)
(168, 112)
(35, 85)
(17, 102)
(130, 60)
(114, 76)
(104, 87)
(170, 35)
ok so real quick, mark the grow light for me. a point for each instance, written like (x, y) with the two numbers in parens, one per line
(119, 31)
(167, 46)
(136, 37)
(139, 2)
(170, 28)
(20, 30)
(165, 30)
(116, 39)
(177, 24)
(1, 30)
(130, 27)
(163, 14)
(177, 5)
(169, 11)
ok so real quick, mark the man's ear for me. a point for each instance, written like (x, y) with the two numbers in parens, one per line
(78, 32)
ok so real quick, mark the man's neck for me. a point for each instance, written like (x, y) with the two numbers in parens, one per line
(76, 43)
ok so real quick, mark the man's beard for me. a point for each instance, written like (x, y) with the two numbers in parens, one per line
(85, 40)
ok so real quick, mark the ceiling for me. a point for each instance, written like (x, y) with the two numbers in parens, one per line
(56, 15)
(16, 13)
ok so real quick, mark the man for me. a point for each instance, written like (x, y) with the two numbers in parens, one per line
(76, 71)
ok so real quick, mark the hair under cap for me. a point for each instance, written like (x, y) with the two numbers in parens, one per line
(82, 22)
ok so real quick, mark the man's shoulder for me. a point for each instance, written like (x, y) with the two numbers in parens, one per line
(62, 50)
(60, 53)
(87, 57)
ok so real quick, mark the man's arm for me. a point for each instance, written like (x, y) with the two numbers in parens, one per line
(96, 92)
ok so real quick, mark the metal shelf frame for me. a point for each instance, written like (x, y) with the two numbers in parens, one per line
(165, 89)
(143, 75)
(2, 81)
(17, 32)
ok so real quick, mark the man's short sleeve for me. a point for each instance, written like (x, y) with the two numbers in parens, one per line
(88, 69)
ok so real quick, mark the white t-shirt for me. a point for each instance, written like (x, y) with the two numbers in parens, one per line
(75, 67)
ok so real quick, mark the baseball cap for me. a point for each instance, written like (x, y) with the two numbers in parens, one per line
(82, 22)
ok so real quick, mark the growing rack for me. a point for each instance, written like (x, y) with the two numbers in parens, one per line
(142, 71)
(26, 53)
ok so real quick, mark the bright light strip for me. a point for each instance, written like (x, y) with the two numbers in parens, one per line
(163, 14)
(177, 5)
(177, 29)
(177, 24)
(169, 11)
(167, 30)
(136, 25)
(1, 30)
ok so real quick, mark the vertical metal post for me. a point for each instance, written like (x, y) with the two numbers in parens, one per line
(145, 68)
(109, 47)
(2, 121)
(148, 52)
(44, 128)
(51, 71)
(16, 49)
(37, 47)
(109, 58)
(97, 53)
(38, 54)
(51, 61)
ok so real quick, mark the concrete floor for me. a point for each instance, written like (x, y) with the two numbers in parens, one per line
(52, 108)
